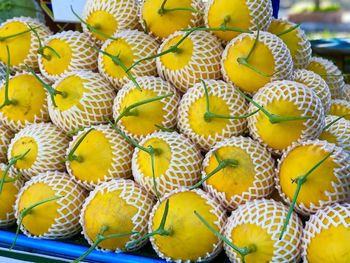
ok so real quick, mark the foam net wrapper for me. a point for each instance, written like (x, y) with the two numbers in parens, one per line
(260, 13)
(95, 104)
(281, 55)
(333, 77)
(263, 183)
(43, 31)
(346, 92)
(317, 84)
(203, 64)
(158, 86)
(125, 12)
(340, 130)
(83, 56)
(233, 100)
(10, 216)
(134, 196)
(2, 71)
(67, 223)
(121, 160)
(216, 209)
(339, 107)
(270, 216)
(196, 19)
(184, 167)
(302, 97)
(16, 125)
(5, 139)
(142, 46)
(341, 183)
(331, 216)
(52, 144)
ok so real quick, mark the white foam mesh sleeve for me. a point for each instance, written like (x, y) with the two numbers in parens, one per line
(216, 209)
(121, 160)
(340, 107)
(5, 138)
(92, 108)
(184, 167)
(303, 98)
(52, 144)
(216, 88)
(142, 46)
(264, 169)
(158, 86)
(331, 216)
(203, 64)
(341, 132)
(83, 56)
(134, 196)
(67, 223)
(346, 93)
(270, 216)
(341, 183)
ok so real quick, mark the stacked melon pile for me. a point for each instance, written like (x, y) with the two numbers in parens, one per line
(195, 126)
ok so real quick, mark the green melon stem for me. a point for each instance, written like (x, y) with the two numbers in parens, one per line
(244, 251)
(227, 20)
(11, 163)
(52, 92)
(335, 121)
(99, 239)
(164, 129)
(4, 38)
(289, 30)
(132, 109)
(208, 115)
(300, 181)
(72, 156)
(7, 100)
(161, 231)
(162, 10)
(27, 211)
(274, 118)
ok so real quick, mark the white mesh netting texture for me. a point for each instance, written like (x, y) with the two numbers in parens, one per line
(120, 166)
(141, 46)
(92, 108)
(340, 182)
(5, 138)
(339, 130)
(203, 62)
(66, 224)
(183, 169)
(346, 92)
(82, 57)
(134, 196)
(263, 167)
(51, 145)
(218, 89)
(340, 108)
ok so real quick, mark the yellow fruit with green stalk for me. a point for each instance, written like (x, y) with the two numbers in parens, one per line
(330, 73)
(11, 184)
(337, 131)
(317, 84)
(75, 51)
(48, 206)
(98, 154)
(312, 175)
(123, 210)
(245, 14)
(295, 39)
(184, 58)
(119, 54)
(176, 163)
(251, 60)
(104, 18)
(252, 233)
(141, 112)
(161, 18)
(287, 109)
(22, 36)
(238, 170)
(177, 234)
(80, 99)
(211, 111)
(326, 235)
(5, 137)
(37, 148)
(340, 108)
